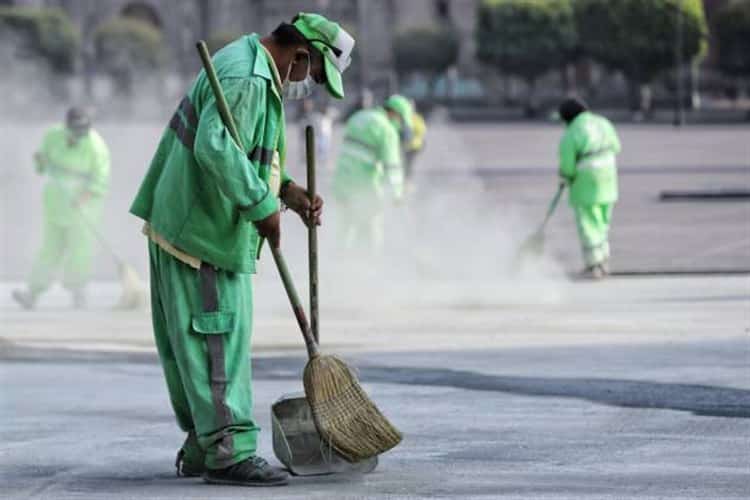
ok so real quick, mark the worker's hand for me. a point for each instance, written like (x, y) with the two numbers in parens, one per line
(82, 199)
(295, 197)
(270, 229)
(41, 161)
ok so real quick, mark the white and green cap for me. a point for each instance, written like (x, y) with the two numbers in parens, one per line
(333, 42)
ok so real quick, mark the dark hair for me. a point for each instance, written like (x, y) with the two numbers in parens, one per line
(77, 118)
(287, 35)
(570, 108)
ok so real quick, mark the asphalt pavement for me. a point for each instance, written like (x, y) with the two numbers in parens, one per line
(556, 423)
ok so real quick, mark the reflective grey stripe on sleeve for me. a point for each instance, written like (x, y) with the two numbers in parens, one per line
(188, 111)
(218, 376)
(185, 135)
(261, 155)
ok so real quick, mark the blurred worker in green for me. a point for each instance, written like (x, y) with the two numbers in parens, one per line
(75, 160)
(588, 151)
(415, 146)
(207, 203)
(369, 168)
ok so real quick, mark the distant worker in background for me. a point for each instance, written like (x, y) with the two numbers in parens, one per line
(75, 160)
(415, 146)
(369, 168)
(588, 166)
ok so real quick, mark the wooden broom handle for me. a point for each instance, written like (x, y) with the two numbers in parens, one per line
(286, 278)
(312, 235)
(299, 311)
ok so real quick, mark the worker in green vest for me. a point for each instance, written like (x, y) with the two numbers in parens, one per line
(75, 160)
(370, 170)
(207, 204)
(588, 151)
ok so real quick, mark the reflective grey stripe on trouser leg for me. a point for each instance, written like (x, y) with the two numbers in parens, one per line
(217, 374)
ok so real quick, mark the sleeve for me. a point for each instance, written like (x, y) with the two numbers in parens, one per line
(616, 146)
(41, 158)
(390, 156)
(223, 160)
(99, 184)
(567, 156)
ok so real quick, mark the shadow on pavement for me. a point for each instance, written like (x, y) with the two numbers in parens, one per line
(703, 400)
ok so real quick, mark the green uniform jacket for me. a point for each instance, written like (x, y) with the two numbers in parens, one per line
(370, 155)
(587, 159)
(73, 170)
(201, 191)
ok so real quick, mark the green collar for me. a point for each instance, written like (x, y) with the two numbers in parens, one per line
(264, 66)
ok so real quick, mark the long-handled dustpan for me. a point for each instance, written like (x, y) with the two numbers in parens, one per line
(296, 440)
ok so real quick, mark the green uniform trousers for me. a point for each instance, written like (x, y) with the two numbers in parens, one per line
(593, 231)
(66, 246)
(361, 225)
(202, 321)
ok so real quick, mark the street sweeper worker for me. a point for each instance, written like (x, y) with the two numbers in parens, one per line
(207, 204)
(588, 151)
(75, 161)
(415, 146)
(370, 170)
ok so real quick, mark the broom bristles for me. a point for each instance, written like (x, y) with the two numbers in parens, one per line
(133, 290)
(345, 416)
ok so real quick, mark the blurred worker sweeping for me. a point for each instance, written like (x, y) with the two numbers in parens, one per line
(206, 204)
(588, 165)
(415, 146)
(369, 167)
(75, 160)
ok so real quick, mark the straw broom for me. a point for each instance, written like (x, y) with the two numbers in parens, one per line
(345, 416)
(534, 244)
(134, 294)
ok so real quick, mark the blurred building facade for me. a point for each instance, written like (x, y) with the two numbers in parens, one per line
(373, 22)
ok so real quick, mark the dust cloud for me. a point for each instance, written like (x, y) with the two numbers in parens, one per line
(454, 239)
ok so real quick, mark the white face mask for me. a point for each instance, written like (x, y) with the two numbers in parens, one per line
(299, 89)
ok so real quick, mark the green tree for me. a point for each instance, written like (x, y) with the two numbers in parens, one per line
(526, 38)
(732, 28)
(46, 33)
(639, 37)
(429, 50)
(126, 48)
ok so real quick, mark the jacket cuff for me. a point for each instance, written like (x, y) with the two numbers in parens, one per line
(265, 207)
(285, 177)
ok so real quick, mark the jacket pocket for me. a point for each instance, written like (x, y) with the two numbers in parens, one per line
(213, 323)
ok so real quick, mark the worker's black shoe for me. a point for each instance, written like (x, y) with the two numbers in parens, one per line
(190, 459)
(604, 266)
(24, 298)
(187, 467)
(252, 472)
(594, 272)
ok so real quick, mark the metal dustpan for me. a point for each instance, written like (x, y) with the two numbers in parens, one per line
(296, 441)
(298, 445)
